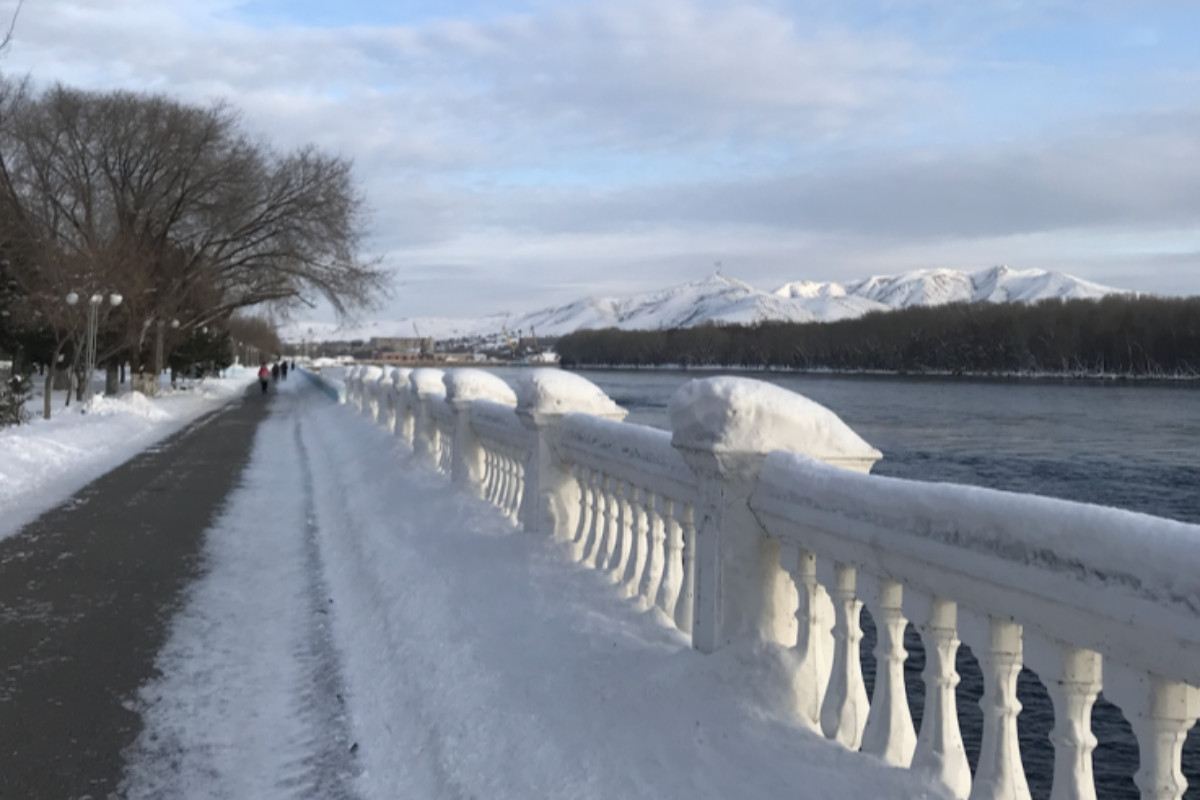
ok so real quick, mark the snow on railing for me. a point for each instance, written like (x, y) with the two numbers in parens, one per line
(754, 517)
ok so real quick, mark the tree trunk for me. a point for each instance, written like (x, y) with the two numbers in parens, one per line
(46, 397)
(110, 379)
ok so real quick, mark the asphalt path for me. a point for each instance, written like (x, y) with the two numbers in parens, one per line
(87, 592)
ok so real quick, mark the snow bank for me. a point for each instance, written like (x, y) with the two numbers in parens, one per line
(46, 461)
(728, 414)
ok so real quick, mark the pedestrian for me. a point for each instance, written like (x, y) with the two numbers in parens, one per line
(274, 372)
(264, 375)
(283, 370)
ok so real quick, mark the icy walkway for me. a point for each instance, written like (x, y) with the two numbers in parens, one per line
(362, 631)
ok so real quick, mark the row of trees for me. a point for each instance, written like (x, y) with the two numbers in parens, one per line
(1134, 336)
(172, 209)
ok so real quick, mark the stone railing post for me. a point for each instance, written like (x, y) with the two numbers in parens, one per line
(422, 384)
(724, 427)
(350, 378)
(368, 382)
(544, 397)
(463, 387)
(401, 401)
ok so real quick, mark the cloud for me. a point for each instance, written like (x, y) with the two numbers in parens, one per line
(549, 149)
(1148, 173)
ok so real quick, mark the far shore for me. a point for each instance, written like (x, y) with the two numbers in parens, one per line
(1103, 377)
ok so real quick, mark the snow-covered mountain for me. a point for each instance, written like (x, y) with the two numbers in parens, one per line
(931, 287)
(719, 298)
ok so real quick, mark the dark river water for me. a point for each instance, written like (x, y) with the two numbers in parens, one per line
(1134, 446)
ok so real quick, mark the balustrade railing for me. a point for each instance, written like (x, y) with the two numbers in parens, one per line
(636, 518)
(754, 517)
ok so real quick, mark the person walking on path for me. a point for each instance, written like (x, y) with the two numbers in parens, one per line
(274, 372)
(264, 375)
(283, 369)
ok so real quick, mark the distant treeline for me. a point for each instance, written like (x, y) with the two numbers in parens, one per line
(1118, 335)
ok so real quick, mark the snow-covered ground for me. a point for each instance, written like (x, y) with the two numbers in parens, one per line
(364, 631)
(46, 461)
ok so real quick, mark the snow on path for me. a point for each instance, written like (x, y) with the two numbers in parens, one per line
(249, 704)
(46, 461)
(476, 661)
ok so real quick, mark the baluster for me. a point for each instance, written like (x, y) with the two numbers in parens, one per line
(1072, 677)
(583, 477)
(844, 710)
(668, 594)
(998, 647)
(620, 557)
(489, 473)
(940, 754)
(637, 536)
(408, 424)
(608, 543)
(889, 733)
(505, 480)
(494, 494)
(596, 530)
(1161, 712)
(510, 470)
(519, 495)
(652, 575)
(687, 594)
(814, 637)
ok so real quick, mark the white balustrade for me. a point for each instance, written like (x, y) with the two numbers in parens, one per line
(754, 517)
(425, 383)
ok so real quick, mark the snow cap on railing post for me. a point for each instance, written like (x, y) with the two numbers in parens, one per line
(423, 384)
(464, 387)
(724, 427)
(544, 397)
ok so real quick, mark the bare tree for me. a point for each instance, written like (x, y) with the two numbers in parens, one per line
(6, 40)
(176, 208)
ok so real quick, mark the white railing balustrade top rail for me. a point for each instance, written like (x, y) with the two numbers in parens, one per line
(755, 517)
(1117, 582)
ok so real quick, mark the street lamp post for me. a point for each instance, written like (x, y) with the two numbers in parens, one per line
(92, 333)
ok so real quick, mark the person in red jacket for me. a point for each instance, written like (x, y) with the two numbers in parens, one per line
(264, 377)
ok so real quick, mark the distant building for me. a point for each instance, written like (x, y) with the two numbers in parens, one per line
(403, 344)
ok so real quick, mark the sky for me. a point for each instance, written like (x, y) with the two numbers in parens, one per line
(521, 153)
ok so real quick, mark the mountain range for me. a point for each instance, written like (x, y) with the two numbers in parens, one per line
(719, 298)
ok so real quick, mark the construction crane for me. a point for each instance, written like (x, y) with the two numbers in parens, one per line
(420, 341)
(508, 338)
